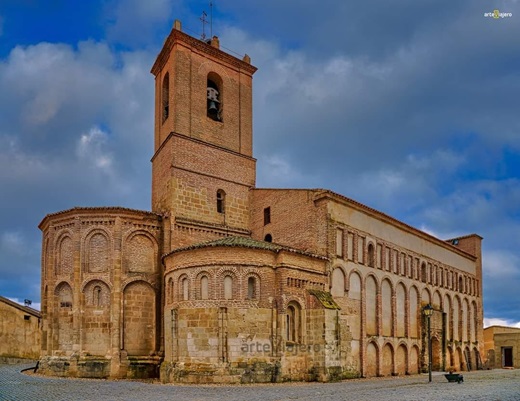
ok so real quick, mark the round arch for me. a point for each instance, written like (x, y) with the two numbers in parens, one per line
(414, 305)
(402, 318)
(372, 358)
(436, 354)
(96, 255)
(426, 296)
(401, 359)
(437, 300)
(387, 317)
(140, 252)
(354, 285)
(371, 307)
(203, 286)
(414, 360)
(387, 360)
(338, 281)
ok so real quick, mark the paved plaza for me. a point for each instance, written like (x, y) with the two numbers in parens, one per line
(492, 385)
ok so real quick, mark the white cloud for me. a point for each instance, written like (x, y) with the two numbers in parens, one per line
(53, 103)
(440, 234)
(48, 84)
(277, 172)
(92, 149)
(500, 322)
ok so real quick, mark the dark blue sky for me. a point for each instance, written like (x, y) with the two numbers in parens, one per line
(409, 107)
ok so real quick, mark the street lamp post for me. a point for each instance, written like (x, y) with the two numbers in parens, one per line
(428, 311)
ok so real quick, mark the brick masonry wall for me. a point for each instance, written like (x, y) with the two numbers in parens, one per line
(186, 186)
(189, 64)
(295, 220)
(195, 155)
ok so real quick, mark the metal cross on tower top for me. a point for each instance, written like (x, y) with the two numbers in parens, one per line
(204, 22)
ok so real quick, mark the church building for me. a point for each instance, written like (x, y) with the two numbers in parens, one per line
(223, 282)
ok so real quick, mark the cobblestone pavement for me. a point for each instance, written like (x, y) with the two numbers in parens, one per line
(493, 385)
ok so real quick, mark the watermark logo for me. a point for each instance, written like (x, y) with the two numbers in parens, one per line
(496, 14)
(293, 348)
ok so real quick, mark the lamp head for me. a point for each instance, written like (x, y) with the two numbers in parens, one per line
(428, 310)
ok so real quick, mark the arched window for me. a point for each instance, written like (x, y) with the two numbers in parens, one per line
(170, 290)
(204, 287)
(370, 255)
(251, 288)
(166, 97)
(268, 238)
(293, 329)
(185, 289)
(214, 97)
(228, 287)
(64, 293)
(97, 295)
(423, 273)
(221, 201)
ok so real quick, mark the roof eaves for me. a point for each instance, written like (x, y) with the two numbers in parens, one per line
(24, 308)
(244, 242)
(112, 209)
(324, 193)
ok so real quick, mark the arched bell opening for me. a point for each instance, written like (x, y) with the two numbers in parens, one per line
(214, 97)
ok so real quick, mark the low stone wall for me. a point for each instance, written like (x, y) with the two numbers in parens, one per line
(100, 368)
(224, 373)
(5, 360)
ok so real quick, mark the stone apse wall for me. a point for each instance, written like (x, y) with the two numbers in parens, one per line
(238, 310)
(101, 292)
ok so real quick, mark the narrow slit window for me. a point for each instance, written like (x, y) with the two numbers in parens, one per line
(204, 287)
(267, 216)
(228, 287)
(221, 200)
(97, 295)
(185, 289)
(166, 97)
(251, 288)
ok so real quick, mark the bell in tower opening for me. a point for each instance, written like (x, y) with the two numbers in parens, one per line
(214, 108)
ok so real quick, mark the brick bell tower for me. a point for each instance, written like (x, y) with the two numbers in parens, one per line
(203, 168)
